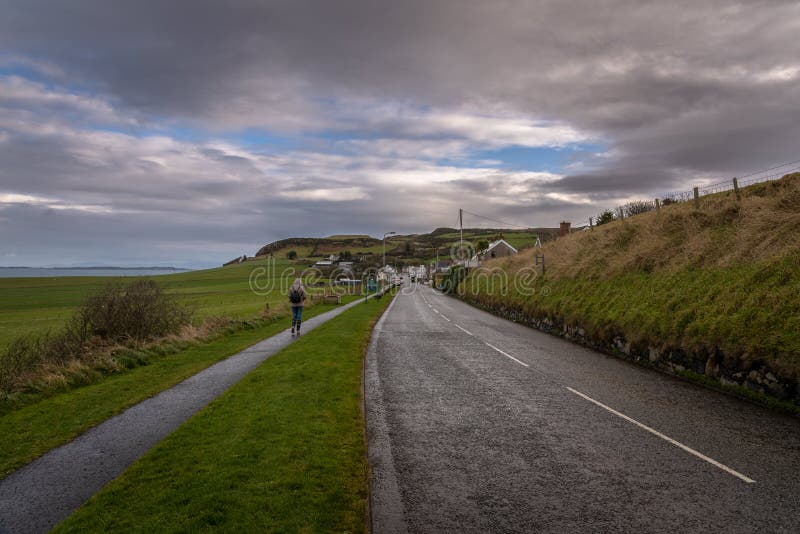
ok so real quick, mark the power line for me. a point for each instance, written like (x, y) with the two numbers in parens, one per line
(495, 220)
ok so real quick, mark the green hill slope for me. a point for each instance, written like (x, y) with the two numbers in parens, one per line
(712, 293)
(410, 248)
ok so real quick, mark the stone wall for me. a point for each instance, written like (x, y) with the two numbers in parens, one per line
(755, 375)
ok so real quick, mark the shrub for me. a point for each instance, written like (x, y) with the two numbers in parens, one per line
(453, 277)
(606, 217)
(291, 254)
(637, 207)
(140, 311)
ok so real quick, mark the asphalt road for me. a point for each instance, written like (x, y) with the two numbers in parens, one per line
(40, 495)
(477, 424)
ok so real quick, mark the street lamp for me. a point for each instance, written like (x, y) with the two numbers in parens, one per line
(384, 247)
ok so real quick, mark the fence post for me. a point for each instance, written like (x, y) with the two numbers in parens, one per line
(621, 212)
(591, 227)
(696, 198)
(658, 206)
(736, 188)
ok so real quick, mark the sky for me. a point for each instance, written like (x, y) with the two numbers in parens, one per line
(186, 133)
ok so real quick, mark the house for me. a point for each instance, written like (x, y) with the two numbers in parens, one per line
(443, 266)
(496, 249)
(386, 274)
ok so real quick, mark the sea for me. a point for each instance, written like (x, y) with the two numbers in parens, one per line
(51, 272)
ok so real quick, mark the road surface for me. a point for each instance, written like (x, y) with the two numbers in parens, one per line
(477, 424)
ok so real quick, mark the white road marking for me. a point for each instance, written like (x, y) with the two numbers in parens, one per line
(464, 330)
(445, 318)
(667, 438)
(435, 310)
(506, 354)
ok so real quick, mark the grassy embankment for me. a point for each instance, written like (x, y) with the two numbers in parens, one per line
(282, 451)
(723, 281)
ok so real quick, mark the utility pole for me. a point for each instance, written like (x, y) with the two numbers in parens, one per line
(384, 247)
(461, 225)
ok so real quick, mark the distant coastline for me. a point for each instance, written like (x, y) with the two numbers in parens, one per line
(101, 267)
(39, 272)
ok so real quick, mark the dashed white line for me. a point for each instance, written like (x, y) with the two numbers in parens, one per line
(507, 355)
(445, 318)
(666, 438)
(435, 310)
(463, 330)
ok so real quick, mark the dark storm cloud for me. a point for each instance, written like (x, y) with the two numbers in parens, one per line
(675, 92)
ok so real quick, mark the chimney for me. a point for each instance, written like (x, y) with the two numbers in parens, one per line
(564, 228)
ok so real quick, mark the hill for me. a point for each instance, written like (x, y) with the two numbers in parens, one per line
(402, 248)
(712, 293)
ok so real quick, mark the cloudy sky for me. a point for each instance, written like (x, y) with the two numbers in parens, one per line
(186, 133)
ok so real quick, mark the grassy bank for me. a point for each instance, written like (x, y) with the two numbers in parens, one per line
(721, 282)
(32, 430)
(282, 451)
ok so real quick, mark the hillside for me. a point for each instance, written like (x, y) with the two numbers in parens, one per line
(713, 293)
(413, 247)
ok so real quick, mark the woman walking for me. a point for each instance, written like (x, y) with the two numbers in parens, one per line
(297, 296)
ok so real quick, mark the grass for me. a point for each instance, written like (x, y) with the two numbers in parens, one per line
(32, 430)
(282, 451)
(725, 277)
(35, 305)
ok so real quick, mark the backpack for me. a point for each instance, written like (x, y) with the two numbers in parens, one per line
(295, 297)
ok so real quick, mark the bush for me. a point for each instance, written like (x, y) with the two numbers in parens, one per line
(139, 311)
(135, 312)
(606, 217)
(453, 277)
(291, 254)
(637, 207)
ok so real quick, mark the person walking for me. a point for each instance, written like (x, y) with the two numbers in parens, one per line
(297, 297)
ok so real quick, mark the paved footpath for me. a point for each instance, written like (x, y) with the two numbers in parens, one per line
(477, 424)
(40, 495)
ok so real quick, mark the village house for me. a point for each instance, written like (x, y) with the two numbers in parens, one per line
(496, 249)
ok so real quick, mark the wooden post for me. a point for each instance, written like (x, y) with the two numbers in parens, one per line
(736, 188)
(591, 227)
(696, 198)
(658, 205)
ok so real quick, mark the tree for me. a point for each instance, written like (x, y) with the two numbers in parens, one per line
(291, 254)
(606, 217)
(346, 255)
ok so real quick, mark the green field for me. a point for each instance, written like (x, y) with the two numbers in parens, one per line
(281, 451)
(32, 430)
(35, 305)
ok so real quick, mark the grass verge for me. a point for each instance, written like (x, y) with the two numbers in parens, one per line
(29, 432)
(715, 290)
(282, 451)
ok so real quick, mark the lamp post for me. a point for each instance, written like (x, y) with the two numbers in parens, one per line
(384, 246)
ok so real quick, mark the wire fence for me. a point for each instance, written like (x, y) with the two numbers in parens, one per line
(641, 206)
